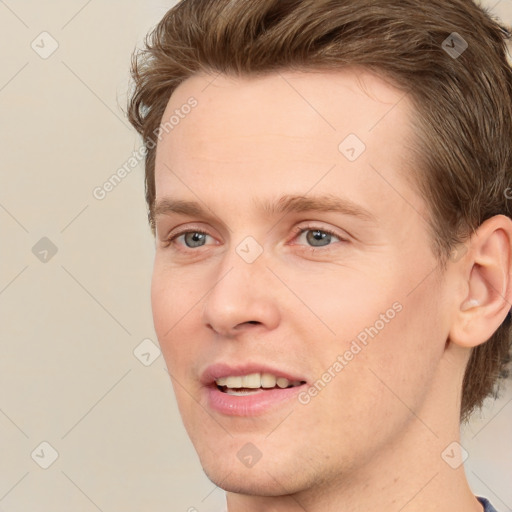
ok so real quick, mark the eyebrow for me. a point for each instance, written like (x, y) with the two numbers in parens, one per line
(324, 203)
(283, 206)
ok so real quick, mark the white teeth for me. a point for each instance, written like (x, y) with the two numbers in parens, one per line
(244, 392)
(233, 382)
(255, 381)
(282, 382)
(268, 380)
(252, 381)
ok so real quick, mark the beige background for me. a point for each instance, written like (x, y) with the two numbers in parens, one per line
(70, 324)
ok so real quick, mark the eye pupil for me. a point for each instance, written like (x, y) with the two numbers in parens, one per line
(318, 238)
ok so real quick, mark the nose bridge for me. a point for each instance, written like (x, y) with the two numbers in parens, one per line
(240, 293)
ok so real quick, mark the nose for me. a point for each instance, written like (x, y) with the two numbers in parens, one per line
(241, 298)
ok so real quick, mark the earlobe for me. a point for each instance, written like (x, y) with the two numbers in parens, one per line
(487, 272)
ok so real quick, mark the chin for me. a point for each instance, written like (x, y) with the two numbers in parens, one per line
(250, 482)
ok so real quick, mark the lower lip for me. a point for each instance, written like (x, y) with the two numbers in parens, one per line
(249, 405)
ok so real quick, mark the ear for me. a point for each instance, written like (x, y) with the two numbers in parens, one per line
(487, 274)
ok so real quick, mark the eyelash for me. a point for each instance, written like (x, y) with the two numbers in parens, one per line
(299, 230)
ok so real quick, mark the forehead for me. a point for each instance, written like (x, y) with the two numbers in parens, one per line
(291, 113)
(283, 132)
(311, 104)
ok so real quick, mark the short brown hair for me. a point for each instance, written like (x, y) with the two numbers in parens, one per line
(462, 99)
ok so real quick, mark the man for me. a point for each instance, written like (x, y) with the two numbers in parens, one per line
(328, 185)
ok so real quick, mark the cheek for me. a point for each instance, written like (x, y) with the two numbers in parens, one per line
(174, 292)
(336, 303)
(162, 303)
(399, 364)
(381, 380)
(173, 306)
(387, 326)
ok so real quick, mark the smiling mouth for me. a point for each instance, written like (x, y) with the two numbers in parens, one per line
(254, 383)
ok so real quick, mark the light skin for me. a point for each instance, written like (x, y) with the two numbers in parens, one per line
(372, 439)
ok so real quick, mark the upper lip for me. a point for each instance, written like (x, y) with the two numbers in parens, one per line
(219, 370)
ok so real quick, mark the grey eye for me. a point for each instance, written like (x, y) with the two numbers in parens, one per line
(194, 239)
(318, 238)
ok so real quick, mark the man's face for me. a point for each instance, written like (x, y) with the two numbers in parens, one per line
(268, 275)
